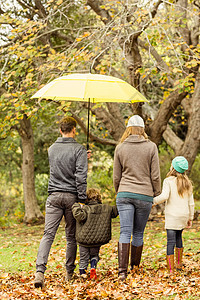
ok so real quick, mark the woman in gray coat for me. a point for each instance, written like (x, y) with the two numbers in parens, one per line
(136, 180)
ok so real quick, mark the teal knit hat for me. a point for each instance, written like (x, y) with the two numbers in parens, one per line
(180, 164)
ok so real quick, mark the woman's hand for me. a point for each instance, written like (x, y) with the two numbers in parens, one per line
(189, 224)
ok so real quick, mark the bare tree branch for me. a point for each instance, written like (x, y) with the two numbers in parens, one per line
(1, 11)
(61, 35)
(26, 6)
(162, 64)
(40, 9)
(37, 9)
(172, 139)
(192, 142)
(103, 13)
(145, 23)
(159, 125)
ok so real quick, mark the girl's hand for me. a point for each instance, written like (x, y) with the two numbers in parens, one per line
(189, 224)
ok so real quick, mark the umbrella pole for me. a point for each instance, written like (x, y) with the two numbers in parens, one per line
(88, 125)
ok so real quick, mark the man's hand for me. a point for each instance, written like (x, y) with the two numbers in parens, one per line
(89, 153)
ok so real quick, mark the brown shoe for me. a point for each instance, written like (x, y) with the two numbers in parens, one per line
(68, 276)
(170, 263)
(39, 280)
(123, 259)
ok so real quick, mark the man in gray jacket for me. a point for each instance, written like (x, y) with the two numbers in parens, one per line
(67, 185)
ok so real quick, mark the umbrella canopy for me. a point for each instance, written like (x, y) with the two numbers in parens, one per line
(91, 88)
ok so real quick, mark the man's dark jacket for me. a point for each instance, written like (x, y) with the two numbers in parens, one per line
(93, 226)
(68, 167)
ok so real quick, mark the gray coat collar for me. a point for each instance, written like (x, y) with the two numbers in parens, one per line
(65, 140)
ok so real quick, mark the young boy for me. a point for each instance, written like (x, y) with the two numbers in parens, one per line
(93, 229)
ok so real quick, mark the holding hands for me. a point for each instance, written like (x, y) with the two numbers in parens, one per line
(189, 224)
(89, 153)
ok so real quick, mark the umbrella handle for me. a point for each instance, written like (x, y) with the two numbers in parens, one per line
(88, 125)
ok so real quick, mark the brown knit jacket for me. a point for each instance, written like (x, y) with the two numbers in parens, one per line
(136, 167)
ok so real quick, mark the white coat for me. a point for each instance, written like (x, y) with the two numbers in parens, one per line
(178, 210)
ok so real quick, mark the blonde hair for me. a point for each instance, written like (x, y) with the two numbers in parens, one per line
(184, 184)
(133, 130)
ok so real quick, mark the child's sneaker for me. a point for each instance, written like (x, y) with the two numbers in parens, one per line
(93, 274)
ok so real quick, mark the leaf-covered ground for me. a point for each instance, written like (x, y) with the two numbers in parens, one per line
(18, 250)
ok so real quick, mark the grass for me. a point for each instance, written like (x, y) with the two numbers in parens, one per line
(19, 246)
(197, 205)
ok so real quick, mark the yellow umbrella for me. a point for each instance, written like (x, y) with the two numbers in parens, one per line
(92, 88)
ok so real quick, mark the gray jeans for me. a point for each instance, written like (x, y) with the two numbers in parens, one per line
(58, 205)
(87, 254)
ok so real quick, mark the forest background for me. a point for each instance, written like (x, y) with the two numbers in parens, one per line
(153, 45)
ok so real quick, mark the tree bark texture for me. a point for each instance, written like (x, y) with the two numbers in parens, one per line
(172, 140)
(159, 125)
(32, 210)
(192, 142)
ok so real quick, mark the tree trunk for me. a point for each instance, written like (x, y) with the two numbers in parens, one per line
(134, 60)
(192, 141)
(159, 125)
(33, 214)
(172, 140)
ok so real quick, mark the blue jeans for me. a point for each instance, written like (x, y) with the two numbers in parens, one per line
(133, 214)
(174, 237)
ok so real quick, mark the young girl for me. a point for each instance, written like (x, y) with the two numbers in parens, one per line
(179, 209)
(93, 229)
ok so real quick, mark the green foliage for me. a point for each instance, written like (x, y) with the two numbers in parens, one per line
(11, 157)
(179, 122)
(41, 188)
(11, 202)
(45, 127)
(166, 154)
(195, 175)
(100, 175)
